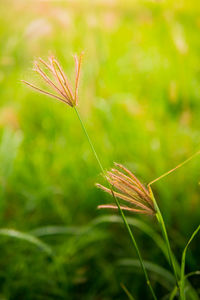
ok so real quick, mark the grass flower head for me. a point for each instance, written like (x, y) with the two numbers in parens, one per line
(130, 190)
(53, 75)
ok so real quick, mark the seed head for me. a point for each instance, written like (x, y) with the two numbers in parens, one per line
(130, 190)
(52, 73)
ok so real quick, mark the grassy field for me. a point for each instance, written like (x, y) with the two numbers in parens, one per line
(139, 98)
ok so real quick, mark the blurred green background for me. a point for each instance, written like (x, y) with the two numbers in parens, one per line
(140, 100)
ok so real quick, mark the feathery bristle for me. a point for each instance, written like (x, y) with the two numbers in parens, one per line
(59, 84)
(129, 189)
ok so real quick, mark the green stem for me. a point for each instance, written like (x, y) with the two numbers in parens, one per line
(165, 235)
(182, 279)
(163, 227)
(120, 210)
(89, 140)
(137, 249)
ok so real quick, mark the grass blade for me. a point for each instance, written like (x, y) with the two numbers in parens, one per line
(130, 297)
(57, 230)
(161, 272)
(182, 279)
(144, 227)
(173, 293)
(28, 238)
(147, 229)
(195, 273)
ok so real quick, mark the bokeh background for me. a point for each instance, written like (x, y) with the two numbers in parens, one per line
(140, 101)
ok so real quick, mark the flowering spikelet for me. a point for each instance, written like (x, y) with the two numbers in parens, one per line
(131, 190)
(57, 80)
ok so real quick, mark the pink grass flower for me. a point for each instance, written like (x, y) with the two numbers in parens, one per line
(130, 190)
(53, 75)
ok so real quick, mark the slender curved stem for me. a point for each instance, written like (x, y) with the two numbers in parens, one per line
(177, 167)
(118, 205)
(165, 235)
(171, 259)
(163, 227)
(89, 140)
(173, 293)
(182, 279)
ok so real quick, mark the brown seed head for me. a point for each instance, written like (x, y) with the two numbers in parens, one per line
(130, 190)
(51, 72)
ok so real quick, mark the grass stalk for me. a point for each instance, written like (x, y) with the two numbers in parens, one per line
(119, 208)
(165, 236)
(162, 223)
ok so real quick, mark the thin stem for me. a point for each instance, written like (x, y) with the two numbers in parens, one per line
(165, 235)
(177, 167)
(182, 279)
(120, 210)
(173, 293)
(163, 227)
(89, 140)
(137, 250)
(162, 224)
(130, 297)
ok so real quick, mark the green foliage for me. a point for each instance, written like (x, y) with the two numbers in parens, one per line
(26, 237)
(139, 99)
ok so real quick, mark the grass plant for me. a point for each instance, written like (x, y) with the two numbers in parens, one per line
(131, 190)
(63, 87)
(139, 93)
